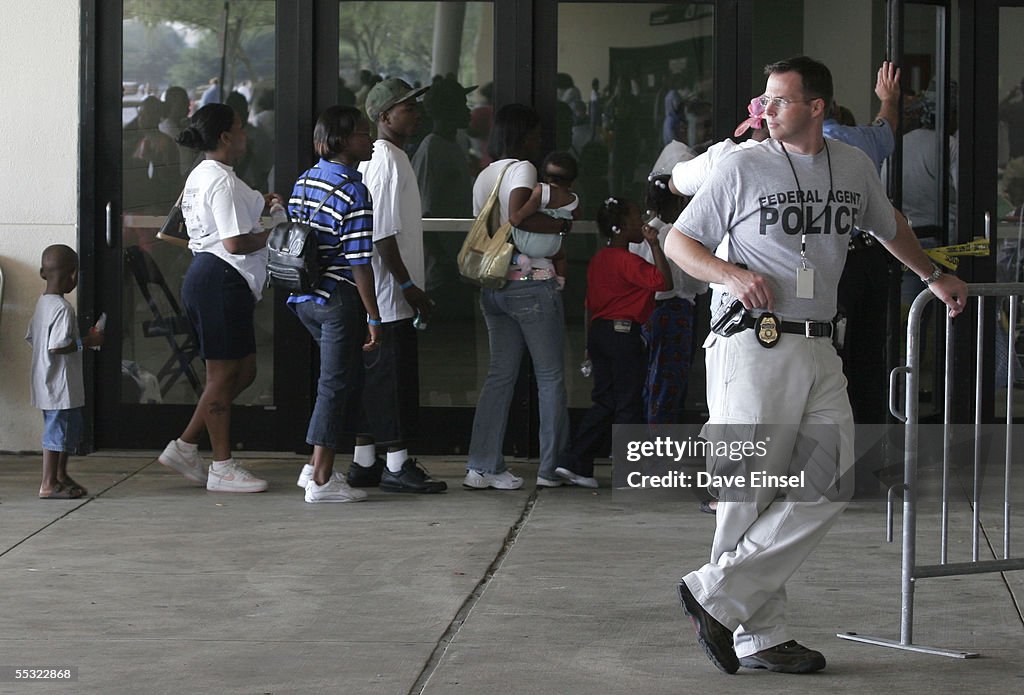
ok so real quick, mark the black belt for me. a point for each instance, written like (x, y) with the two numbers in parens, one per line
(862, 241)
(808, 329)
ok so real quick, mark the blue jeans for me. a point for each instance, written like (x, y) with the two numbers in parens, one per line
(524, 314)
(339, 328)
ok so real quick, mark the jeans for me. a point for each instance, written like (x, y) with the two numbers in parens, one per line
(339, 328)
(526, 314)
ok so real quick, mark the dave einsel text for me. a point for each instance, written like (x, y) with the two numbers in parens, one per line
(12, 674)
(668, 448)
(678, 479)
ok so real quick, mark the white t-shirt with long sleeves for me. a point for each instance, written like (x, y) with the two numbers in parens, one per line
(397, 212)
(218, 205)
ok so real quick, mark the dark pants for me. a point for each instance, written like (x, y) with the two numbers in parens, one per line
(620, 367)
(391, 390)
(862, 295)
(669, 336)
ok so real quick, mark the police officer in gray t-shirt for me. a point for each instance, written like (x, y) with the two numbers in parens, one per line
(788, 207)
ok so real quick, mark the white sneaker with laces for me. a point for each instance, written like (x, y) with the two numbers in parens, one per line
(334, 490)
(305, 476)
(229, 476)
(576, 478)
(506, 480)
(189, 464)
(549, 482)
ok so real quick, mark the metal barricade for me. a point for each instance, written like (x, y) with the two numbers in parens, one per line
(911, 570)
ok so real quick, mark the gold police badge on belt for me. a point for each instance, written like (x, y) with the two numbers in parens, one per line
(766, 327)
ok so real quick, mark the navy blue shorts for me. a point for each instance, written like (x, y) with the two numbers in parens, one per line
(62, 430)
(220, 306)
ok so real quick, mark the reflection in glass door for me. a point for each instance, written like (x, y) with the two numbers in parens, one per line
(175, 60)
(448, 45)
(1008, 223)
(157, 62)
(627, 103)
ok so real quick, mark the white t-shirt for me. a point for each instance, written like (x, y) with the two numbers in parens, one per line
(56, 380)
(671, 154)
(520, 174)
(752, 196)
(683, 285)
(691, 174)
(218, 205)
(396, 212)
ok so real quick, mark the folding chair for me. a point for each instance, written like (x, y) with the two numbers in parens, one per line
(173, 325)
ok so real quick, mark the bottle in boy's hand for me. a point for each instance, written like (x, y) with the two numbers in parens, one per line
(101, 325)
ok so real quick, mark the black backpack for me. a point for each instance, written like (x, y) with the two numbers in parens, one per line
(292, 251)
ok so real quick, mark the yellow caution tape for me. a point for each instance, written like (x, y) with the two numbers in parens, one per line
(948, 256)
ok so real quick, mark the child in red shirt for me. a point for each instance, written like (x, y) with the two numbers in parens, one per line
(620, 298)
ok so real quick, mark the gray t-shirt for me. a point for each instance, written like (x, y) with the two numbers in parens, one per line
(56, 380)
(753, 197)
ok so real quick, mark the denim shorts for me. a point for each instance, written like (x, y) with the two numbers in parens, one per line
(62, 430)
(220, 307)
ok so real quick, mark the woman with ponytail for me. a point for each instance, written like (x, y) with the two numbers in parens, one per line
(220, 291)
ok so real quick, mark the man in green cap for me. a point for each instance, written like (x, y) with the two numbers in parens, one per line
(391, 390)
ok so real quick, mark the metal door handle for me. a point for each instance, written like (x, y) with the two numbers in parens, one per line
(110, 225)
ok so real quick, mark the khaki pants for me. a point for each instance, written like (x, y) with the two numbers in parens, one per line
(758, 545)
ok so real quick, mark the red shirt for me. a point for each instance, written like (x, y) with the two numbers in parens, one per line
(621, 285)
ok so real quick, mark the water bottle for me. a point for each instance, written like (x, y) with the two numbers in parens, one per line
(420, 322)
(101, 325)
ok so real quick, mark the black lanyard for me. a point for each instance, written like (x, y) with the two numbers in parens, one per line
(831, 193)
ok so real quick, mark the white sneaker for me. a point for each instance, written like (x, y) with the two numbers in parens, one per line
(499, 481)
(188, 464)
(576, 478)
(549, 482)
(334, 490)
(305, 476)
(233, 478)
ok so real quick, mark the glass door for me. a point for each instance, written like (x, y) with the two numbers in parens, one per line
(992, 132)
(158, 62)
(449, 45)
(626, 103)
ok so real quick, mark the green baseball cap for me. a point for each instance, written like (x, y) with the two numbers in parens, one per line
(388, 93)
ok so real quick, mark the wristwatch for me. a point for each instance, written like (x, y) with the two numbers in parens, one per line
(936, 274)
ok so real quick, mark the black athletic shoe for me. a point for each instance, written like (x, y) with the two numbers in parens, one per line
(412, 478)
(365, 476)
(788, 657)
(714, 638)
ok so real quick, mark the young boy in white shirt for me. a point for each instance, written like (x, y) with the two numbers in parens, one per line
(56, 376)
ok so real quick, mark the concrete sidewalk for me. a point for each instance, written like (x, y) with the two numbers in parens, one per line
(152, 585)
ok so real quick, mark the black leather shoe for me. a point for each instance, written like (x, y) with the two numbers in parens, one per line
(365, 476)
(714, 638)
(412, 478)
(788, 657)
